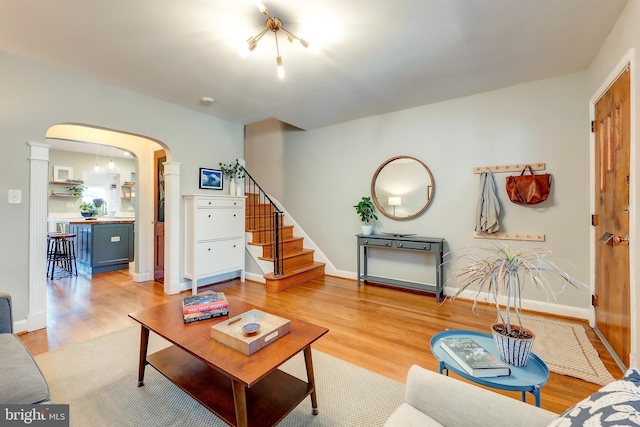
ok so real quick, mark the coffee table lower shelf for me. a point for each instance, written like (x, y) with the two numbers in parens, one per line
(268, 401)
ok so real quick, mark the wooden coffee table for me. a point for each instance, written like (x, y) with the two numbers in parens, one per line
(243, 390)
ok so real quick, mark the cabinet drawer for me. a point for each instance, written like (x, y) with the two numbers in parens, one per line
(219, 223)
(377, 242)
(220, 203)
(414, 245)
(220, 256)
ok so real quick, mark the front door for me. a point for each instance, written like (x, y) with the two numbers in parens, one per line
(611, 220)
(158, 258)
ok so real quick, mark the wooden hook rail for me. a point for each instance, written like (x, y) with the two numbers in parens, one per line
(533, 237)
(510, 168)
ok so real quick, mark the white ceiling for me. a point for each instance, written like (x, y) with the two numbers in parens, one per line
(374, 56)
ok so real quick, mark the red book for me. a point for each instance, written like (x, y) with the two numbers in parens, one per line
(205, 301)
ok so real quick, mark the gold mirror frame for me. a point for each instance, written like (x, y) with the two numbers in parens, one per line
(429, 191)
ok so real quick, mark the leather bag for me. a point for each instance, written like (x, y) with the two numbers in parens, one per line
(528, 189)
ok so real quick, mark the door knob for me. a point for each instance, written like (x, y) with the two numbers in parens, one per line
(613, 240)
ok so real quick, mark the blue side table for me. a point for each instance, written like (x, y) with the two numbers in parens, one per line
(530, 378)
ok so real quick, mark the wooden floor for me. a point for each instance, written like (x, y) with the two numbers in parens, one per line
(381, 329)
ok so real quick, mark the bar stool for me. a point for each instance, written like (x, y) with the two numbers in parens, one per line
(61, 251)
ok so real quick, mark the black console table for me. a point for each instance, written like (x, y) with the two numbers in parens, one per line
(407, 243)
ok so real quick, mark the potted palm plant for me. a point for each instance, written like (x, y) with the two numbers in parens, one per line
(365, 209)
(501, 272)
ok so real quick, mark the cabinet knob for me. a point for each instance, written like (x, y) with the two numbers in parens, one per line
(424, 246)
(366, 242)
(399, 245)
(209, 215)
(386, 243)
(209, 202)
(234, 215)
(209, 249)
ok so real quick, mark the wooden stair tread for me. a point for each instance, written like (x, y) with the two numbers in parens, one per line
(294, 271)
(285, 240)
(291, 254)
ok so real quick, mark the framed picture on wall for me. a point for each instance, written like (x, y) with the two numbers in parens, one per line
(62, 173)
(210, 179)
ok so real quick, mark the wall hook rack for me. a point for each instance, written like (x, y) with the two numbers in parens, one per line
(510, 168)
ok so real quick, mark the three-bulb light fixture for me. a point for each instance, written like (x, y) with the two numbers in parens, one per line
(274, 24)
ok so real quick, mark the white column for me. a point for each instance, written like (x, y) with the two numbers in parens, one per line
(38, 187)
(172, 232)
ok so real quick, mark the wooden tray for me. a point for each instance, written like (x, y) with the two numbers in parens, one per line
(230, 332)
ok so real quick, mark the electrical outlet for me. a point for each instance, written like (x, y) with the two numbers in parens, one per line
(69, 204)
(130, 208)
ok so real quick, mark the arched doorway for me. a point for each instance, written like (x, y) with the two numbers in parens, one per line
(143, 148)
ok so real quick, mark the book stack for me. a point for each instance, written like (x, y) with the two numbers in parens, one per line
(204, 306)
(474, 358)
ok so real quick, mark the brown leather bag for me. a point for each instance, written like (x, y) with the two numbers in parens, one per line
(528, 189)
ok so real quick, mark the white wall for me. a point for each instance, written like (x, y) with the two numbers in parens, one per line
(36, 97)
(623, 43)
(329, 169)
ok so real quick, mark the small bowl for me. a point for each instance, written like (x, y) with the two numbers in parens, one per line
(86, 214)
(251, 328)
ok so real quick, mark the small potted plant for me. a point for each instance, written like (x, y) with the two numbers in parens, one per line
(234, 171)
(501, 272)
(365, 209)
(87, 209)
(77, 190)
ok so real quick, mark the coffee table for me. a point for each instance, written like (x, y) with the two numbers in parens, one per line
(530, 378)
(242, 390)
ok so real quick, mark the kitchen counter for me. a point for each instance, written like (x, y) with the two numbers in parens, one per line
(100, 219)
(102, 244)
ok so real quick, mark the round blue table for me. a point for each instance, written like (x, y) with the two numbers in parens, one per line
(530, 378)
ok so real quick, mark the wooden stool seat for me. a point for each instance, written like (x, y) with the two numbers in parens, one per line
(61, 252)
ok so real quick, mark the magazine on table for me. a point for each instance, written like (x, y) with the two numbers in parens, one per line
(474, 358)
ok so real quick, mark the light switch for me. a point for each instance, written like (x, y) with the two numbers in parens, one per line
(15, 196)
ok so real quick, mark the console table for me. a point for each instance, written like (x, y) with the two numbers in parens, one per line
(406, 243)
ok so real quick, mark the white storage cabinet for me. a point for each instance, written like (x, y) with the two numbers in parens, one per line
(214, 237)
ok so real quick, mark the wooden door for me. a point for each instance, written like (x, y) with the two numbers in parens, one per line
(158, 258)
(611, 219)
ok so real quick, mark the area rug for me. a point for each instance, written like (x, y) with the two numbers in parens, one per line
(98, 379)
(566, 349)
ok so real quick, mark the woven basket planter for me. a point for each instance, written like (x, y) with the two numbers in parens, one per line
(513, 351)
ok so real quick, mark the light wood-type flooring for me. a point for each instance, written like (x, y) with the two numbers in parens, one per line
(381, 329)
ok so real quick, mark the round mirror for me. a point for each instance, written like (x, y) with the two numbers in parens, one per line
(402, 187)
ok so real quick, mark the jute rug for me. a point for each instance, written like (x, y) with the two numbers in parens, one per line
(566, 349)
(98, 379)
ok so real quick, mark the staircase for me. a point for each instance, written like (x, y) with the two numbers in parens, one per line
(293, 264)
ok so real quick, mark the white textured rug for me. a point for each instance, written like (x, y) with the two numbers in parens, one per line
(98, 378)
(566, 349)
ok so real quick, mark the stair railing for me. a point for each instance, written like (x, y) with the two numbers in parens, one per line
(266, 222)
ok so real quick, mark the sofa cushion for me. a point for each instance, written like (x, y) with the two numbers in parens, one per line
(406, 415)
(616, 404)
(21, 379)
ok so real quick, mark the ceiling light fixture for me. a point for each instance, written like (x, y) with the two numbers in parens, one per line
(274, 24)
(111, 165)
(96, 168)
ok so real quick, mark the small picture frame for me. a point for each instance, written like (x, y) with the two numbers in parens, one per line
(62, 173)
(210, 179)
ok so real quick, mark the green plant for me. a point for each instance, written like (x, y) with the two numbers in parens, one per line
(87, 207)
(232, 170)
(365, 209)
(502, 273)
(77, 190)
